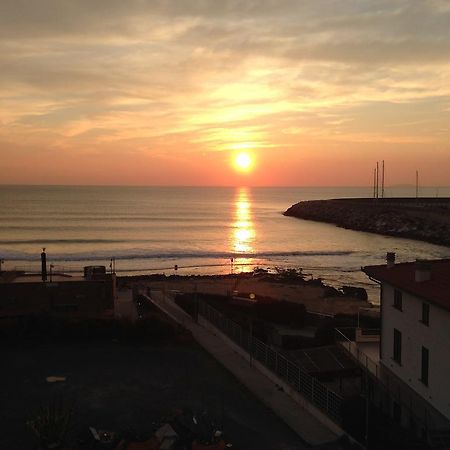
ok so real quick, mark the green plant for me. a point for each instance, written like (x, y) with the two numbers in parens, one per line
(51, 424)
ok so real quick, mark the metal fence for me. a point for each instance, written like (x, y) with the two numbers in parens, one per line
(354, 349)
(310, 388)
(387, 388)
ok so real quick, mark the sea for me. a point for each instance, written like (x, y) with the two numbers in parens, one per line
(194, 230)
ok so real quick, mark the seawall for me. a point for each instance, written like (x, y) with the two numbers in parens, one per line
(425, 219)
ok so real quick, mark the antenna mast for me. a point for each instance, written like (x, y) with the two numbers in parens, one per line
(417, 184)
(378, 177)
(374, 181)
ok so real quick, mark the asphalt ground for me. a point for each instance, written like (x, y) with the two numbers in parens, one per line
(129, 389)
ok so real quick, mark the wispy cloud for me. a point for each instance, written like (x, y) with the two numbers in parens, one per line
(186, 77)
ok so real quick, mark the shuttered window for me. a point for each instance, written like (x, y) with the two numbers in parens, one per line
(397, 346)
(425, 313)
(425, 363)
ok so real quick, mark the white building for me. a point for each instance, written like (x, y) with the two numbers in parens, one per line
(415, 339)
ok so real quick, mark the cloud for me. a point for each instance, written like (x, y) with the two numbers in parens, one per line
(200, 75)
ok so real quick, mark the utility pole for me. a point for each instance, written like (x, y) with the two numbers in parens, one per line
(374, 181)
(382, 180)
(367, 423)
(417, 184)
(378, 177)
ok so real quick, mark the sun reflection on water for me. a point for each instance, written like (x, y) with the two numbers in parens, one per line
(243, 232)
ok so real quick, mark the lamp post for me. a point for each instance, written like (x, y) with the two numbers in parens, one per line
(251, 342)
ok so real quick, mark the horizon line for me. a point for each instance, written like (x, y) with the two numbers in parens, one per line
(220, 186)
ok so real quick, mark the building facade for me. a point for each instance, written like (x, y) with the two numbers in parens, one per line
(61, 295)
(415, 339)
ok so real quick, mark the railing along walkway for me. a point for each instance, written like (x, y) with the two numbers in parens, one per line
(362, 358)
(308, 427)
(309, 387)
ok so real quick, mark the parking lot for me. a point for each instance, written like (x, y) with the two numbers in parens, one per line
(129, 389)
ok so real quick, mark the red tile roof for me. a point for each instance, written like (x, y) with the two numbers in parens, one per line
(402, 276)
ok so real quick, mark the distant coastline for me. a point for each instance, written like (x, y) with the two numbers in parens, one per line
(424, 219)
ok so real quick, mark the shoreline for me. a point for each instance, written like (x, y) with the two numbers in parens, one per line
(421, 219)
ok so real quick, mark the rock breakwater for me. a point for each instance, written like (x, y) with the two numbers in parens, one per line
(425, 219)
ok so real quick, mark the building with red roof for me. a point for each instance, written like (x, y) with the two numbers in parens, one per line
(415, 338)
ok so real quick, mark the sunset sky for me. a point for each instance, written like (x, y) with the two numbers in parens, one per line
(164, 92)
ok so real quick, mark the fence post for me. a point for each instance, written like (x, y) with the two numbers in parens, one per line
(251, 343)
(328, 406)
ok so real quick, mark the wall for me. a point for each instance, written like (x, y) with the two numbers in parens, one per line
(435, 337)
(85, 298)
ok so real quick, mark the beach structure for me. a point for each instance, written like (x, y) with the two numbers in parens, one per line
(408, 371)
(54, 293)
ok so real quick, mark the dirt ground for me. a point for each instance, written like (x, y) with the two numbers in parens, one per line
(124, 388)
(315, 297)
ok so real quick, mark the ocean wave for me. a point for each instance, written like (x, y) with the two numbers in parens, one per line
(100, 217)
(133, 254)
(48, 242)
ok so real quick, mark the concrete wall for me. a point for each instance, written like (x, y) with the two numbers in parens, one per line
(85, 298)
(435, 337)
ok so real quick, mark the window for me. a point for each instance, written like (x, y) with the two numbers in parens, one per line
(397, 412)
(425, 362)
(425, 313)
(397, 346)
(398, 299)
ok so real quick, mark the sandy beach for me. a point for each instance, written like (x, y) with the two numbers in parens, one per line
(315, 297)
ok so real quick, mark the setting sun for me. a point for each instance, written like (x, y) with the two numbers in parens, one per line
(243, 162)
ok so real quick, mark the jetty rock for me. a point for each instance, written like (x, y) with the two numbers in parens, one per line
(424, 219)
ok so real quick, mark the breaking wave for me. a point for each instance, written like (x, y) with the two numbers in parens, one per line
(161, 255)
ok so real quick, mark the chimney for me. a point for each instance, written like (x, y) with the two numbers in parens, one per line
(44, 265)
(423, 271)
(390, 260)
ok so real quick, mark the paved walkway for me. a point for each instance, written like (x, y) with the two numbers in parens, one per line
(302, 422)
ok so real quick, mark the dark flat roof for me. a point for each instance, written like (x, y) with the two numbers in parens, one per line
(402, 276)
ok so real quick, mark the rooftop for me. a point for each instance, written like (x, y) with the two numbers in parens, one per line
(55, 278)
(436, 290)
